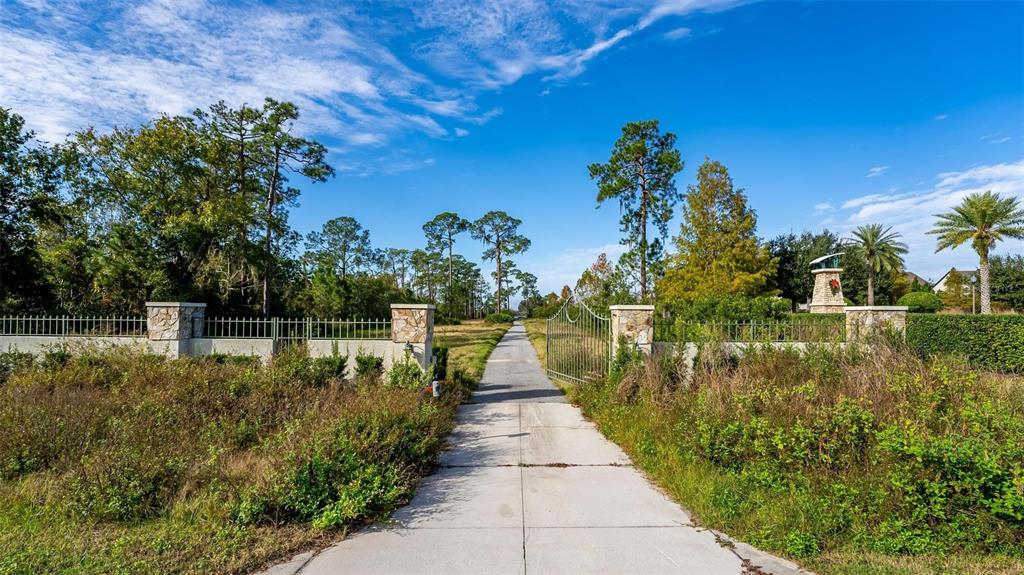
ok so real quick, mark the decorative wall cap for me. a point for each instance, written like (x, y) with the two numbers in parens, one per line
(413, 306)
(631, 307)
(823, 270)
(877, 308)
(173, 303)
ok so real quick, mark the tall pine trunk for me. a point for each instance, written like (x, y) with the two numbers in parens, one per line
(497, 301)
(268, 239)
(643, 234)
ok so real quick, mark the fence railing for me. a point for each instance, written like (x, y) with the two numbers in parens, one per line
(292, 329)
(73, 326)
(816, 330)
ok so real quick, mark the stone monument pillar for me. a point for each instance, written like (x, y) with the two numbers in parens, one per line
(828, 290)
(633, 324)
(412, 325)
(170, 326)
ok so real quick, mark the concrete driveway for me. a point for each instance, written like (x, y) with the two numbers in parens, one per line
(529, 486)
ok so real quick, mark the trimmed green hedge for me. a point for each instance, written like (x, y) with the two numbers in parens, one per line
(994, 342)
(921, 302)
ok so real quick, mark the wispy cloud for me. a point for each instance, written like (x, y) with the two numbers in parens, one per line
(876, 171)
(678, 33)
(410, 69)
(941, 117)
(823, 208)
(913, 213)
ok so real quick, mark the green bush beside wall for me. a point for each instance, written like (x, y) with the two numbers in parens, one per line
(994, 342)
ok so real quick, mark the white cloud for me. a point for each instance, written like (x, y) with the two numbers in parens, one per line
(68, 65)
(876, 171)
(913, 213)
(941, 117)
(460, 132)
(822, 208)
(494, 43)
(678, 33)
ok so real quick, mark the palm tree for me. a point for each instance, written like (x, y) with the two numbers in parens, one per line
(984, 219)
(881, 250)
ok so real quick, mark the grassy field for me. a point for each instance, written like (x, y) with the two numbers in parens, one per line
(469, 345)
(117, 462)
(535, 330)
(849, 465)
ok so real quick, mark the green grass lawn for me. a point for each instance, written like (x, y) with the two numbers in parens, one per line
(535, 329)
(848, 465)
(116, 462)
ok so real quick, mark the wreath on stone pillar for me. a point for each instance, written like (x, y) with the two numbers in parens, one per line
(834, 284)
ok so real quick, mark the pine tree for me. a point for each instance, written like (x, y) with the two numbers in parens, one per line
(717, 249)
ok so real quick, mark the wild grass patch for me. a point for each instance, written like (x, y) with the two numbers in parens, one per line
(122, 462)
(831, 453)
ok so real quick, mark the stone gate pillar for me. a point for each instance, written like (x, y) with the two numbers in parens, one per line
(170, 326)
(633, 325)
(870, 321)
(828, 291)
(412, 325)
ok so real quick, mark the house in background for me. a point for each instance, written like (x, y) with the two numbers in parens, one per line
(911, 277)
(969, 276)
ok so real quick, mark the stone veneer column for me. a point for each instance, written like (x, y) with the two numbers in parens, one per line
(413, 324)
(169, 326)
(824, 300)
(635, 325)
(868, 321)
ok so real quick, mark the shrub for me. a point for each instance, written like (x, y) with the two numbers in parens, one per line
(921, 302)
(327, 368)
(805, 453)
(545, 311)
(11, 361)
(407, 374)
(994, 342)
(368, 365)
(440, 355)
(499, 318)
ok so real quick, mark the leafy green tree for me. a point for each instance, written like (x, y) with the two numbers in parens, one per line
(1007, 277)
(795, 253)
(957, 291)
(342, 244)
(640, 174)
(427, 273)
(399, 261)
(881, 249)
(27, 201)
(441, 232)
(982, 219)
(500, 233)
(717, 249)
(283, 153)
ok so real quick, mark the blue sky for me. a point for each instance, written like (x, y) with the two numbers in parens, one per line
(828, 114)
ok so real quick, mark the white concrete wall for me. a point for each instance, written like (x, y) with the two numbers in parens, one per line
(390, 351)
(37, 344)
(689, 349)
(262, 348)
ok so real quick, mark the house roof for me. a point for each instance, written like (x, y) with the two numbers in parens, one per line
(968, 274)
(911, 276)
